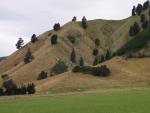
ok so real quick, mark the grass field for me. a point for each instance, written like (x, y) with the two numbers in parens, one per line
(129, 101)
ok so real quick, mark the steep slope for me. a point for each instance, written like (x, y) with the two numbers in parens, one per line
(112, 34)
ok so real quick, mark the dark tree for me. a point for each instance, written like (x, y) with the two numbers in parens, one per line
(136, 28)
(42, 75)
(23, 90)
(54, 39)
(102, 59)
(56, 27)
(139, 9)
(95, 52)
(145, 24)
(74, 19)
(31, 88)
(34, 38)
(20, 43)
(108, 56)
(28, 57)
(143, 18)
(73, 56)
(96, 61)
(84, 22)
(146, 5)
(134, 11)
(10, 87)
(149, 12)
(131, 31)
(81, 62)
(97, 42)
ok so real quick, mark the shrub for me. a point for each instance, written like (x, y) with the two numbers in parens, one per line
(76, 69)
(1, 92)
(84, 22)
(31, 88)
(97, 42)
(139, 9)
(95, 52)
(56, 27)
(72, 39)
(73, 56)
(42, 75)
(96, 71)
(34, 38)
(134, 11)
(145, 24)
(74, 19)
(108, 56)
(54, 39)
(28, 57)
(81, 62)
(59, 67)
(143, 18)
(96, 61)
(101, 71)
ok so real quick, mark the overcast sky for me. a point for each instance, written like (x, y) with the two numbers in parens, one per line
(22, 18)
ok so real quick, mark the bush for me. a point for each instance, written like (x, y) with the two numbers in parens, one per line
(59, 67)
(101, 71)
(72, 39)
(42, 75)
(97, 42)
(97, 61)
(143, 18)
(96, 71)
(95, 52)
(34, 38)
(1, 92)
(73, 56)
(31, 88)
(81, 62)
(84, 22)
(54, 39)
(76, 69)
(56, 27)
(145, 24)
(74, 19)
(28, 57)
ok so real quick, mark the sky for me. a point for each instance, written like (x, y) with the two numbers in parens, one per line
(22, 18)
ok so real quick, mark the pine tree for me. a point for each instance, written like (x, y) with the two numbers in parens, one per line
(20, 43)
(28, 57)
(54, 39)
(74, 19)
(143, 18)
(84, 22)
(56, 27)
(139, 9)
(97, 42)
(96, 61)
(134, 11)
(73, 56)
(136, 28)
(34, 38)
(81, 62)
(145, 24)
(146, 5)
(108, 56)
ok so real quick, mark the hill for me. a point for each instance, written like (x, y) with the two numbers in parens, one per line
(113, 34)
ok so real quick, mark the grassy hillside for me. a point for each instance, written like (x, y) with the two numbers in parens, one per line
(107, 102)
(113, 34)
(135, 44)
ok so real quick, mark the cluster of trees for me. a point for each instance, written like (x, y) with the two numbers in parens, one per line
(10, 88)
(138, 10)
(96, 71)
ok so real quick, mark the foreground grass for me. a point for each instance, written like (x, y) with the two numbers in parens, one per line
(131, 101)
